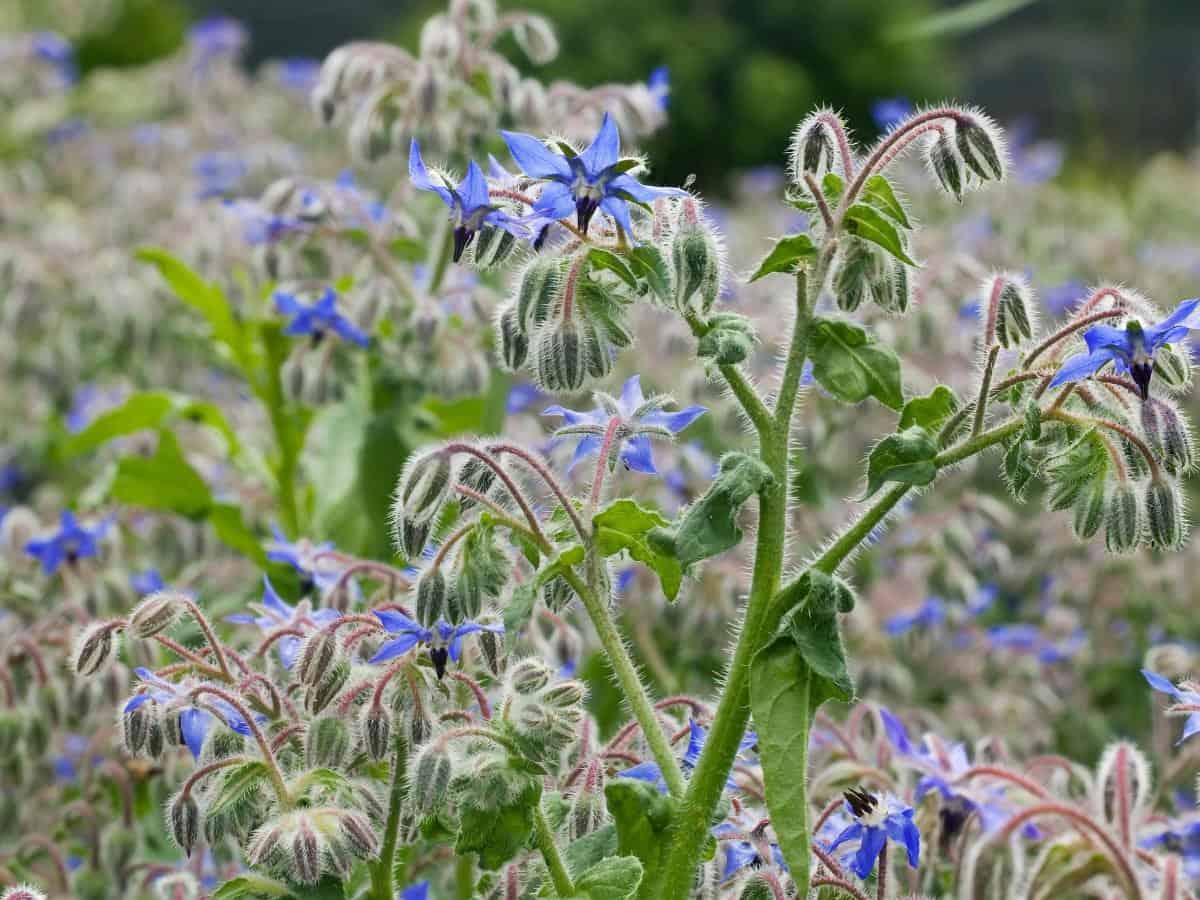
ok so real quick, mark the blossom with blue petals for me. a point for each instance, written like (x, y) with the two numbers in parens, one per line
(1028, 639)
(753, 851)
(890, 112)
(1186, 697)
(659, 85)
(313, 562)
(274, 613)
(194, 721)
(418, 891)
(443, 639)
(147, 582)
(521, 397)
(216, 37)
(219, 174)
(595, 179)
(71, 542)
(318, 318)
(470, 203)
(1181, 837)
(51, 47)
(929, 614)
(877, 820)
(1130, 349)
(697, 735)
(640, 419)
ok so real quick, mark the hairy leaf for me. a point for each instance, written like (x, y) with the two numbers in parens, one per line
(623, 525)
(850, 365)
(906, 457)
(929, 411)
(786, 255)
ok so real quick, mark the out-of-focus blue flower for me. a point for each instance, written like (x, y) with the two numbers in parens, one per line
(697, 734)
(216, 37)
(635, 412)
(1130, 349)
(624, 579)
(259, 226)
(1187, 698)
(318, 319)
(1032, 161)
(219, 173)
(88, 403)
(470, 203)
(742, 854)
(364, 207)
(147, 582)
(877, 820)
(441, 639)
(929, 614)
(12, 476)
(582, 184)
(418, 891)
(521, 397)
(274, 613)
(69, 543)
(68, 130)
(659, 84)
(299, 73)
(890, 112)
(194, 722)
(310, 561)
(1181, 837)
(1028, 639)
(52, 48)
(982, 600)
(1061, 297)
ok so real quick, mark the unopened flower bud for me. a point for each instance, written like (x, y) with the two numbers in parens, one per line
(565, 694)
(356, 831)
(493, 247)
(557, 593)
(317, 656)
(411, 538)
(1164, 515)
(946, 166)
(757, 887)
(327, 742)
(859, 271)
(440, 41)
(431, 596)
(697, 261)
(37, 733)
(184, 816)
(812, 147)
(222, 743)
(1013, 322)
(377, 731)
(156, 737)
(1122, 520)
(320, 695)
(419, 726)
(979, 149)
(479, 477)
(528, 676)
(430, 779)
(1089, 509)
(93, 649)
(135, 727)
(155, 614)
(535, 36)
(561, 357)
(895, 293)
(491, 646)
(265, 845)
(424, 486)
(514, 341)
(538, 292)
(729, 340)
(306, 854)
(1172, 367)
(1168, 434)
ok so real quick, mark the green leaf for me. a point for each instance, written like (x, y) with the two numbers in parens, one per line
(606, 259)
(906, 457)
(583, 853)
(611, 879)
(647, 263)
(163, 481)
(871, 225)
(232, 530)
(148, 409)
(832, 186)
(930, 411)
(519, 609)
(498, 833)
(878, 192)
(207, 299)
(251, 887)
(237, 787)
(709, 526)
(642, 816)
(813, 628)
(852, 366)
(623, 525)
(463, 415)
(786, 255)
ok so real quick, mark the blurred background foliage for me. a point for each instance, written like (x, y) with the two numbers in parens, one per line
(1115, 79)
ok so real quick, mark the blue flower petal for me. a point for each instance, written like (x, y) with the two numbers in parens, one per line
(675, 422)
(605, 149)
(555, 202)
(638, 455)
(396, 622)
(896, 732)
(869, 849)
(1083, 365)
(534, 158)
(193, 725)
(618, 209)
(474, 189)
(392, 649)
(419, 175)
(631, 396)
(1159, 683)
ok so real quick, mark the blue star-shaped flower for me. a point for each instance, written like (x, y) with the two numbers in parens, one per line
(742, 854)
(318, 319)
(640, 418)
(877, 820)
(71, 542)
(1130, 349)
(470, 203)
(147, 582)
(194, 722)
(594, 179)
(443, 639)
(274, 613)
(1189, 698)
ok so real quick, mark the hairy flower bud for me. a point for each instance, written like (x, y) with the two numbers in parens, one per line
(858, 273)
(1164, 515)
(264, 847)
(306, 854)
(535, 36)
(538, 291)
(135, 727)
(557, 593)
(327, 742)
(493, 246)
(355, 829)
(1089, 509)
(320, 695)
(430, 778)
(1122, 520)
(424, 487)
(894, 294)
(183, 816)
(696, 258)
(812, 148)
(491, 645)
(587, 813)
(411, 538)
(377, 731)
(561, 357)
(1013, 320)
(565, 694)
(979, 149)
(419, 726)
(946, 166)
(528, 676)
(93, 649)
(155, 614)
(431, 596)
(729, 339)
(1168, 434)
(1172, 367)
(22, 892)
(37, 733)
(757, 887)
(222, 743)
(156, 736)
(514, 340)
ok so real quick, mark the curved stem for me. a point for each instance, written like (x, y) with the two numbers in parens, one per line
(985, 389)
(547, 476)
(1069, 329)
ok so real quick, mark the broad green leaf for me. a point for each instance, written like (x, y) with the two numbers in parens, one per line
(878, 192)
(463, 415)
(642, 816)
(709, 526)
(239, 784)
(852, 366)
(647, 262)
(871, 225)
(583, 853)
(163, 481)
(906, 457)
(813, 628)
(498, 834)
(232, 530)
(148, 409)
(929, 411)
(606, 259)
(623, 525)
(832, 186)
(610, 879)
(251, 887)
(787, 255)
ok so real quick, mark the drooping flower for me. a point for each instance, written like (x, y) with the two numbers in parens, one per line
(470, 203)
(318, 319)
(443, 639)
(1130, 349)
(274, 613)
(595, 179)
(194, 722)
(890, 112)
(639, 420)
(69, 543)
(314, 562)
(1185, 696)
(746, 848)
(877, 820)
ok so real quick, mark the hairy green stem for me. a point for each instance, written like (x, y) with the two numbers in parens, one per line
(985, 386)
(544, 838)
(382, 872)
(756, 411)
